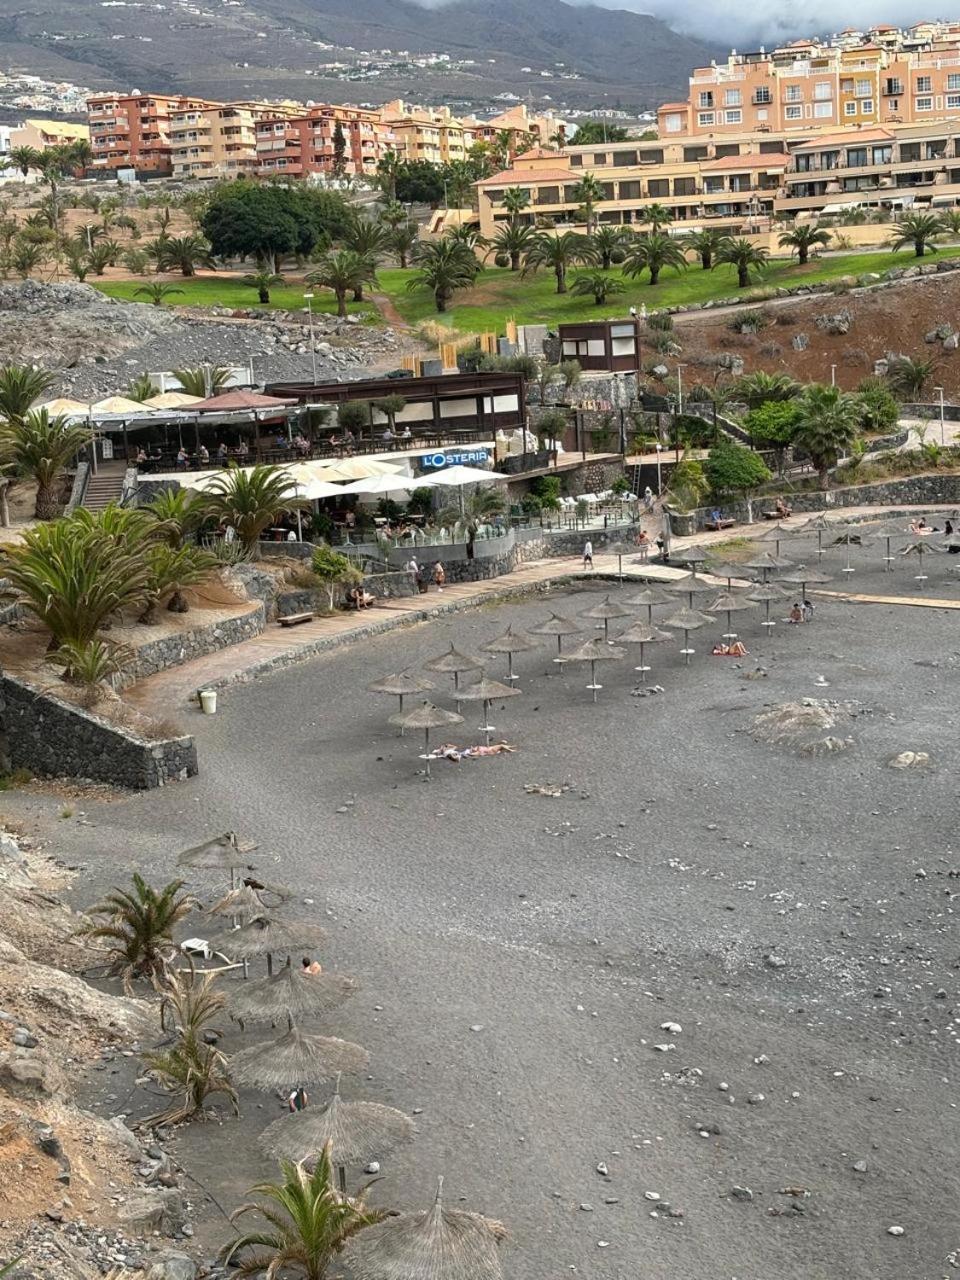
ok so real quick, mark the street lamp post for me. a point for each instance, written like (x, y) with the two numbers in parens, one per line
(833, 375)
(659, 481)
(308, 299)
(679, 389)
(943, 428)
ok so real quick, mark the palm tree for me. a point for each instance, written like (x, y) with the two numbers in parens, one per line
(190, 1066)
(393, 214)
(740, 253)
(598, 285)
(184, 254)
(512, 241)
(23, 158)
(652, 253)
(588, 193)
(73, 578)
(401, 240)
(443, 267)
(263, 282)
(138, 925)
(656, 215)
(480, 508)
(909, 376)
(801, 238)
(515, 200)
(179, 511)
(250, 501)
(203, 380)
(157, 292)
(156, 250)
(559, 253)
(341, 272)
(828, 424)
(81, 155)
(950, 222)
(467, 234)
(609, 243)
(20, 385)
(755, 389)
(705, 244)
(309, 1222)
(42, 447)
(172, 570)
(459, 181)
(142, 388)
(917, 229)
(77, 262)
(26, 257)
(367, 238)
(389, 169)
(501, 147)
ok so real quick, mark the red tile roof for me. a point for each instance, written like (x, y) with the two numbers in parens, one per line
(752, 161)
(850, 138)
(517, 177)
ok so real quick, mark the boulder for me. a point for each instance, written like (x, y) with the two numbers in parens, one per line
(27, 1074)
(951, 342)
(126, 1139)
(838, 322)
(172, 1266)
(154, 1210)
(800, 342)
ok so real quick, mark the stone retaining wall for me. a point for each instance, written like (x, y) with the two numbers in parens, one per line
(53, 738)
(907, 491)
(173, 651)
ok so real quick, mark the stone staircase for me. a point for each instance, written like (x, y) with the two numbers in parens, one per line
(104, 487)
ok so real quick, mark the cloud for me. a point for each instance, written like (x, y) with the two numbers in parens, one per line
(743, 27)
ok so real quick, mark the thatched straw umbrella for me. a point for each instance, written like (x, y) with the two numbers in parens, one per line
(264, 935)
(219, 853)
(802, 577)
(290, 994)
(728, 571)
(818, 525)
(691, 585)
(766, 564)
(693, 556)
(296, 1058)
(686, 620)
(487, 691)
(764, 594)
(888, 532)
(436, 1244)
(647, 598)
(242, 905)
(400, 684)
(357, 1132)
(851, 536)
(559, 627)
(593, 651)
(619, 549)
(430, 717)
(604, 611)
(776, 534)
(920, 548)
(510, 642)
(729, 603)
(454, 663)
(642, 633)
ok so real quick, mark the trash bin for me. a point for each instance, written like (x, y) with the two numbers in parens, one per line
(208, 702)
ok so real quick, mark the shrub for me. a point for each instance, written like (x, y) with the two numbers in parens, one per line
(748, 321)
(660, 321)
(333, 570)
(732, 468)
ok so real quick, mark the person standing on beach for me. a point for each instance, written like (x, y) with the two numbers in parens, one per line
(588, 554)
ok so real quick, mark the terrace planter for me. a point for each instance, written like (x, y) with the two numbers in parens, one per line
(683, 524)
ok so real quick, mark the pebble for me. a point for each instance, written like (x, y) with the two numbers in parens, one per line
(603, 1171)
(859, 1166)
(894, 1231)
(775, 961)
(477, 1026)
(741, 1193)
(586, 1208)
(372, 1167)
(755, 1099)
(651, 1195)
(673, 1027)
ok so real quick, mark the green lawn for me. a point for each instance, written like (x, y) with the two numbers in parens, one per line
(500, 294)
(226, 291)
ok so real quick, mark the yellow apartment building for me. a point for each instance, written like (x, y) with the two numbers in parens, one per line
(42, 134)
(219, 139)
(427, 133)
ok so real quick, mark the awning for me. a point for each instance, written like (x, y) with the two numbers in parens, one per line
(941, 200)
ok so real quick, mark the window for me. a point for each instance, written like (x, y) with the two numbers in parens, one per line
(690, 154)
(630, 191)
(894, 86)
(894, 104)
(793, 113)
(771, 148)
(924, 104)
(953, 81)
(866, 107)
(924, 84)
(599, 157)
(823, 109)
(846, 86)
(684, 186)
(864, 88)
(856, 157)
(882, 155)
(673, 123)
(849, 108)
(705, 118)
(763, 114)
(624, 158)
(761, 95)
(732, 117)
(576, 162)
(725, 149)
(657, 188)
(732, 98)
(953, 101)
(822, 89)
(705, 99)
(793, 93)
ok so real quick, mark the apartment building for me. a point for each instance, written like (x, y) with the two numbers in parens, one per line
(301, 143)
(882, 77)
(132, 131)
(739, 184)
(42, 134)
(433, 134)
(525, 126)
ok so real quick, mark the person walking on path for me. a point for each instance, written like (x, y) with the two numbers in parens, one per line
(648, 499)
(439, 575)
(588, 554)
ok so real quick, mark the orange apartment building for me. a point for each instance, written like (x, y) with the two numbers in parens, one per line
(132, 131)
(302, 144)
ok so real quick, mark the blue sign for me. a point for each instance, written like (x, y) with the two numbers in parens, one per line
(468, 457)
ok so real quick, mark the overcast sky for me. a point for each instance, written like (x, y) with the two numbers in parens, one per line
(742, 25)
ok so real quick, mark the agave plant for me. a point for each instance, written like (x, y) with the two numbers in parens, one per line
(91, 665)
(308, 1222)
(137, 925)
(250, 501)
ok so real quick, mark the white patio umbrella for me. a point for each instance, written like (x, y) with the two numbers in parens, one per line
(456, 477)
(392, 483)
